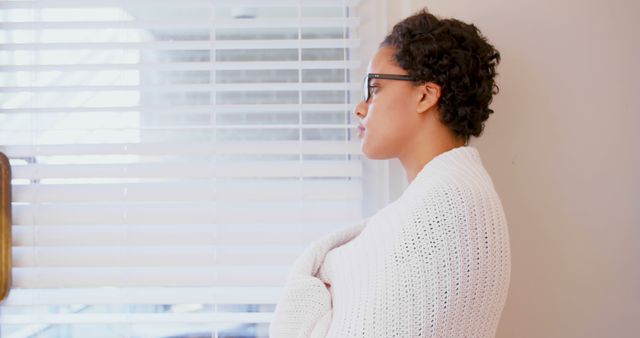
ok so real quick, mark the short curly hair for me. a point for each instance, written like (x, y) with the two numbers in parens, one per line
(457, 57)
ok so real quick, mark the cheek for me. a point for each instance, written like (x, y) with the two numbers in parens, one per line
(386, 130)
(392, 120)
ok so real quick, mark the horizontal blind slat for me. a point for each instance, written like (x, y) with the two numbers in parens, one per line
(281, 233)
(204, 66)
(147, 256)
(188, 45)
(147, 295)
(118, 318)
(218, 87)
(185, 191)
(187, 148)
(188, 127)
(194, 170)
(182, 213)
(191, 24)
(238, 276)
(34, 4)
(219, 108)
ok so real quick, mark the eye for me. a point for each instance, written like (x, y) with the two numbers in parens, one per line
(374, 88)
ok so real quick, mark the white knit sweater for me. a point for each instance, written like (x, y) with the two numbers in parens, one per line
(434, 263)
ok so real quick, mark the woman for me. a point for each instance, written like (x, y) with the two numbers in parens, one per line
(435, 262)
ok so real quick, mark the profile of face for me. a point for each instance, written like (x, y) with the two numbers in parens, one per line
(396, 111)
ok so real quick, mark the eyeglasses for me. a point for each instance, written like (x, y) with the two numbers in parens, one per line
(366, 88)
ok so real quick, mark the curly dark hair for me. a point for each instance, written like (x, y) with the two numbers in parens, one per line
(457, 57)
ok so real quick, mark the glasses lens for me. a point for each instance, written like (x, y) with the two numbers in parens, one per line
(365, 89)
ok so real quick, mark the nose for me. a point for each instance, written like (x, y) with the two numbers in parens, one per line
(361, 109)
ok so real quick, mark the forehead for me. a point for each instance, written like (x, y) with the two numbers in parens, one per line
(383, 62)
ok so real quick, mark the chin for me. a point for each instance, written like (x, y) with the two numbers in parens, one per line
(373, 154)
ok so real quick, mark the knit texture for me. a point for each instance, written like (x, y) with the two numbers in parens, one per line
(434, 263)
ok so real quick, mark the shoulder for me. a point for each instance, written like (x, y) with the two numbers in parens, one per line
(470, 183)
(458, 172)
(452, 198)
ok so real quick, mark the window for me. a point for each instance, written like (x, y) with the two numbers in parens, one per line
(172, 158)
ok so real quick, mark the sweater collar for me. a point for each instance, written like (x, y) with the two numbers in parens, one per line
(459, 156)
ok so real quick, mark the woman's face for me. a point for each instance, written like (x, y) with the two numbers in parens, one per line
(390, 118)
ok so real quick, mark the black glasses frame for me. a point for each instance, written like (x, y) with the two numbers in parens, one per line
(366, 88)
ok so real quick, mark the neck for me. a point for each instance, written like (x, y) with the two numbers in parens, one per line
(423, 150)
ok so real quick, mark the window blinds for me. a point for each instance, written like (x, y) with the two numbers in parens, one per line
(167, 153)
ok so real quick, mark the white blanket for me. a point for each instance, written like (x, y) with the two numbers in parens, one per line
(434, 263)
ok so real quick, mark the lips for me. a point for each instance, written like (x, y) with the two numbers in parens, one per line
(361, 129)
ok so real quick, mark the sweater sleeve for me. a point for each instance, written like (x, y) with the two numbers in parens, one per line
(305, 307)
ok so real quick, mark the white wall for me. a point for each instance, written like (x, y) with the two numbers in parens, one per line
(561, 148)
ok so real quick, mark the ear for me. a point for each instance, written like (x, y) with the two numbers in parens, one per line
(429, 94)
